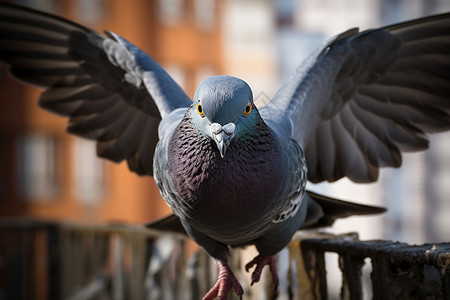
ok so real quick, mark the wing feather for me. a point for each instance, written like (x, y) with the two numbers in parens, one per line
(364, 97)
(111, 91)
(324, 133)
(82, 125)
(433, 107)
(126, 142)
(351, 161)
(364, 137)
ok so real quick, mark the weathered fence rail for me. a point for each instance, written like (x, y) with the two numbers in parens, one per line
(51, 260)
(399, 270)
(46, 260)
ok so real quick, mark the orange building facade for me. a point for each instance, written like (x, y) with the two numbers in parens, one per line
(47, 173)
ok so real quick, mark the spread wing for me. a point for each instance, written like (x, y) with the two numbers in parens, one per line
(111, 91)
(364, 97)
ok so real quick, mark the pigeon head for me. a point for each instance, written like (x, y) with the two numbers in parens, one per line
(223, 108)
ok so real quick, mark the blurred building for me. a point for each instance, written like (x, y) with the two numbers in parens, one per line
(249, 32)
(48, 173)
(416, 194)
(265, 41)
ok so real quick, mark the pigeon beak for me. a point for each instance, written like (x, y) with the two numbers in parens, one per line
(222, 135)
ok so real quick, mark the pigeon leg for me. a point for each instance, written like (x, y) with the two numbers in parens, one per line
(260, 261)
(225, 282)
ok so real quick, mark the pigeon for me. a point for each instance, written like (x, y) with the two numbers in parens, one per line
(235, 174)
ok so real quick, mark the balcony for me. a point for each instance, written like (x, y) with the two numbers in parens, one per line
(52, 260)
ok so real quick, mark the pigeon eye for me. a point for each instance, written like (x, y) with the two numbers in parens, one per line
(200, 109)
(248, 109)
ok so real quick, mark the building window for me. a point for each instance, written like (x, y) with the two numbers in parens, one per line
(37, 166)
(171, 12)
(51, 6)
(89, 172)
(205, 14)
(90, 12)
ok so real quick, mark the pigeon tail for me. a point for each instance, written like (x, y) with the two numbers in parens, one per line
(323, 211)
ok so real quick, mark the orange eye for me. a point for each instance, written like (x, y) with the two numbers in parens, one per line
(200, 109)
(248, 109)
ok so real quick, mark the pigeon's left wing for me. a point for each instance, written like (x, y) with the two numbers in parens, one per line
(364, 97)
(112, 91)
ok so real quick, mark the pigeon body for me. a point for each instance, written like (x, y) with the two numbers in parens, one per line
(233, 174)
(209, 191)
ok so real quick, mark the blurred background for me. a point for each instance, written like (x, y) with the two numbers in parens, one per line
(46, 173)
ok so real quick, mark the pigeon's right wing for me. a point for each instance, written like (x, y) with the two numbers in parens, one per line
(364, 97)
(112, 91)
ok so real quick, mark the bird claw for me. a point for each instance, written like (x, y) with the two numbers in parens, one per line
(260, 261)
(225, 282)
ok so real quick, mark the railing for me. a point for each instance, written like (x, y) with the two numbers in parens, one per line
(49, 260)
(399, 270)
(46, 260)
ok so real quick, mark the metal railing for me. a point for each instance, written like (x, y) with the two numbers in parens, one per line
(399, 270)
(51, 260)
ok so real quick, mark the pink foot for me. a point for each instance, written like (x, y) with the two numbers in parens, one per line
(225, 282)
(260, 262)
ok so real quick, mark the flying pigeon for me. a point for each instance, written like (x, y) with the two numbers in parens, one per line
(234, 174)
